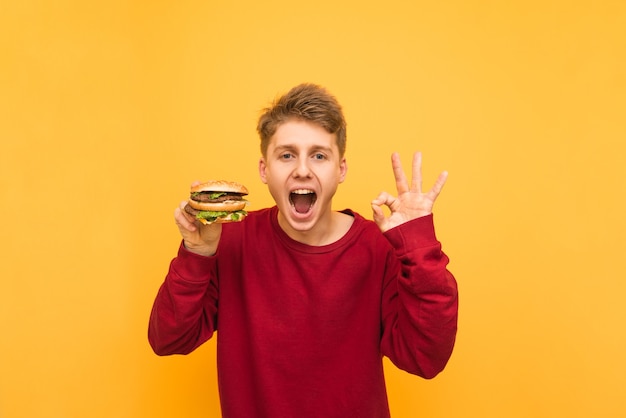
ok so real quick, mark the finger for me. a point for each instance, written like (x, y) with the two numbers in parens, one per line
(195, 183)
(377, 213)
(416, 182)
(386, 199)
(383, 199)
(402, 185)
(379, 200)
(182, 206)
(183, 219)
(438, 186)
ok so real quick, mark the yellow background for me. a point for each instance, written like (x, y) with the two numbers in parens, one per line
(108, 110)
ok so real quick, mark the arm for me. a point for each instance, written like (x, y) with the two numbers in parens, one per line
(184, 313)
(420, 301)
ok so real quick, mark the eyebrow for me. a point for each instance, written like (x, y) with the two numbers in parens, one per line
(291, 147)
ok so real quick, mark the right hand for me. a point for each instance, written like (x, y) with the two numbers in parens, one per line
(198, 238)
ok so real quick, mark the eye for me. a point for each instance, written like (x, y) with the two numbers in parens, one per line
(319, 156)
(286, 156)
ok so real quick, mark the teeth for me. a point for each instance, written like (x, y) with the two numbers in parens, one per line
(302, 191)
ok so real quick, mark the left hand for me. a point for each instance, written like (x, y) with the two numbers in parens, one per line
(410, 203)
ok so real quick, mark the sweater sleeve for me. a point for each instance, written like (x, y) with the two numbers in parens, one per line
(420, 303)
(184, 313)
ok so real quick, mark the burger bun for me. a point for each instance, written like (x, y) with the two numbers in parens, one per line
(220, 186)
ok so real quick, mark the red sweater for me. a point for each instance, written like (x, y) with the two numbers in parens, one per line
(302, 329)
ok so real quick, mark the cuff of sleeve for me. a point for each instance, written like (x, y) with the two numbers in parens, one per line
(193, 267)
(417, 233)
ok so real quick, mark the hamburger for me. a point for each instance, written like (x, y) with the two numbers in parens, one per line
(217, 201)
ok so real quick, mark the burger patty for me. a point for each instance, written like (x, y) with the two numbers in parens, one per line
(191, 211)
(206, 197)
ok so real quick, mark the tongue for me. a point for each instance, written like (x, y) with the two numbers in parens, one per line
(302, 202)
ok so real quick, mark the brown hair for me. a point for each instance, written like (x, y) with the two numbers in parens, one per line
(307, 102)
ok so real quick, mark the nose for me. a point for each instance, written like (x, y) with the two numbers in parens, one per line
(302, 169)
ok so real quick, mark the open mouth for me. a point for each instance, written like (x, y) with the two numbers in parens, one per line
(302, 200)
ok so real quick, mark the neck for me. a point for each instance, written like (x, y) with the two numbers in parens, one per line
(324, 232)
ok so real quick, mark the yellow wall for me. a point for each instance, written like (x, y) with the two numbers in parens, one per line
(108, 110)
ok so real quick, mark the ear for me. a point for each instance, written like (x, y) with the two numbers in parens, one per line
(262, 170)
(343, 169)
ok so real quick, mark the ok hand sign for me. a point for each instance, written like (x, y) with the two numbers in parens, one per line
(411, 202)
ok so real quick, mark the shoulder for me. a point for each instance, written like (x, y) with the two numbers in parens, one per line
(260, 218)
(364, 230)
(359, 222)
(254, 229)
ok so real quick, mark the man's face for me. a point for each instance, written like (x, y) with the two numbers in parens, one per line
(302, 169)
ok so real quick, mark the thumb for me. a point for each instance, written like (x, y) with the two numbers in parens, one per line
(377, 208)
(377, 213)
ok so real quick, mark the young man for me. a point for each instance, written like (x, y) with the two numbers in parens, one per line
(307, 300)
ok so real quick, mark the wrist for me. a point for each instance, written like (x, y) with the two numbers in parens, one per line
(203, 250)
